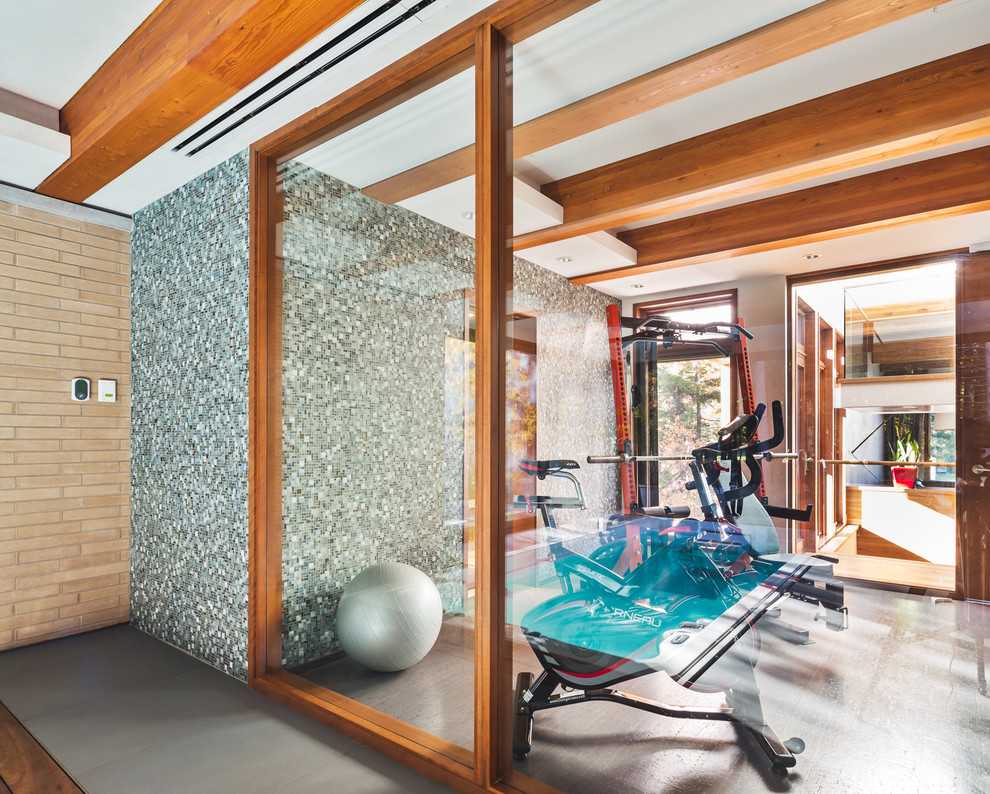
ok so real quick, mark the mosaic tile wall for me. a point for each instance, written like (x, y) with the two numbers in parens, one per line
(575, 409)
(189, 417)
(372, 424)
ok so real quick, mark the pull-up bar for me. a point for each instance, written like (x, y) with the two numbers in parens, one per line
(624, 458)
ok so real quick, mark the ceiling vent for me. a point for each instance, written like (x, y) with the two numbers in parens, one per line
(239, 114)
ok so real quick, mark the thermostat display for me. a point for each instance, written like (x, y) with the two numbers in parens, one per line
(80, 390)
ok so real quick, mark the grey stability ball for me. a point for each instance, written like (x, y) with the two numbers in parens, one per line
(389, 616)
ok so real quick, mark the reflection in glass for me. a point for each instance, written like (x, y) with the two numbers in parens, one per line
(689, 609)
(880, 413)
(901, 324)
(378, 439)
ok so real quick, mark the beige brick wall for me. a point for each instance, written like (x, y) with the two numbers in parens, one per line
(64, 466)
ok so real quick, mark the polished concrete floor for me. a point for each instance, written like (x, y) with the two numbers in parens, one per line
(436, 695)
(126, 714)
(897, 703)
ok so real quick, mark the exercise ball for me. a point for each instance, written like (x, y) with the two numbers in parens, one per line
(389, 616)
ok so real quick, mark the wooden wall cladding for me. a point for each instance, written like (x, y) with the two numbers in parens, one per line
(973, 425)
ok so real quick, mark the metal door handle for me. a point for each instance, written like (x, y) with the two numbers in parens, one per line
(980, 469)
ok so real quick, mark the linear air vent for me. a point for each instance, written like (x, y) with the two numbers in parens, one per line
(357, 27)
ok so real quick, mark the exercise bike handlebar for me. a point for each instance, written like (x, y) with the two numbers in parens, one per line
(718, 450)
(743, 427)
(661, 322)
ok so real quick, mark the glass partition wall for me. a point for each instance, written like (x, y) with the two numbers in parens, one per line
(365, 322)
(374, 312)
(877, 419)
(378, 533)
(453, 560)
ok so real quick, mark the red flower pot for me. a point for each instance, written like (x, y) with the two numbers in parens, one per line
(904, 476)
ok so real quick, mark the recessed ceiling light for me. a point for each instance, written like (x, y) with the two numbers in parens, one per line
(635, 286)
(564, 259)
(468, 215)
(812, 256)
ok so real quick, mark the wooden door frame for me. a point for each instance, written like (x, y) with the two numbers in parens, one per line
(825, 446)
(964, 555)
(688, 301)
(807, 406)
(483, 42)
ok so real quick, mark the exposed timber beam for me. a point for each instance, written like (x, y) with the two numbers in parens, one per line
(933, 105)
(941, 187)
(184, 60)
(808, 30)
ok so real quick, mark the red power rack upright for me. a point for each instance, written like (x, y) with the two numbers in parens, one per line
(633, 553)
(623, 426)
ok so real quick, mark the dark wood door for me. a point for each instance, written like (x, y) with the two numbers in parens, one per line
(973, 426)
(806, 414)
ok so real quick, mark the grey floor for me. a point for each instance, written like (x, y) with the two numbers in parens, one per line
(124, 713)
(435, 695)
(898, 703)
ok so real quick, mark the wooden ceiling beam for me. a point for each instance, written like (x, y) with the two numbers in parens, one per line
(933, 105)
(183, 61)
(813, 28)
(941, 187)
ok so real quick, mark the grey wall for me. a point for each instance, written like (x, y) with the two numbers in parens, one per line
(370, 295)
(189, 417)
(373, 449)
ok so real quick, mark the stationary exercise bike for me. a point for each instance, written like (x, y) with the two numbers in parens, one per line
(689, 610)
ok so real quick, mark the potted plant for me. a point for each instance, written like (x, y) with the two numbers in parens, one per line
(906, 451)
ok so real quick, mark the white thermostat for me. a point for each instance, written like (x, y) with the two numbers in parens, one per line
(107, 391)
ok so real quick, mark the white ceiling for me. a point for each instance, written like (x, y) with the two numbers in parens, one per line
(49, 48)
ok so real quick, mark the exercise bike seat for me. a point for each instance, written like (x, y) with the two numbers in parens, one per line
(545, 468)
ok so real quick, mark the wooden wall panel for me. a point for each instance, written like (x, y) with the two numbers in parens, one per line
(973, 425)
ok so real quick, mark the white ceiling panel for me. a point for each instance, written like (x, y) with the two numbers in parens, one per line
(29, 151)
(918, 239)
(50, 48)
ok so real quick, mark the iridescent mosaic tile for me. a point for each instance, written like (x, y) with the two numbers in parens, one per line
(189, 417)
(373, 396)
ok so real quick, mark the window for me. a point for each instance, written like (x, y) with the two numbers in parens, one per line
(680, 396)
